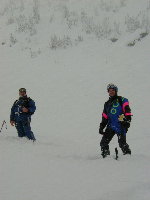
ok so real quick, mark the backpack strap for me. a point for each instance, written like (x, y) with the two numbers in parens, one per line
(120, 101)
(15, 102)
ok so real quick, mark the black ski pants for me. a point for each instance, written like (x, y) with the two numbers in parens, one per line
(107, 137)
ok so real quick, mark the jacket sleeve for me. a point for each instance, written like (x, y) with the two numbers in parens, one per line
(32, 107)
(127, 110)
(104, 118)
(12, 113)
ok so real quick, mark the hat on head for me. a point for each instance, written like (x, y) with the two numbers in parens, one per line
(22, 90)
(112, 86)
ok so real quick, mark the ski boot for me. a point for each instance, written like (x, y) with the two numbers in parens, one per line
(126, 149)
(105, 152)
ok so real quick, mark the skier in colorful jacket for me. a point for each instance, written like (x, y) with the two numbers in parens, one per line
(20, 116)
(116, 117)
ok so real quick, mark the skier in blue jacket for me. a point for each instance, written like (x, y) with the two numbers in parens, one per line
(116, 117)
(21, 112)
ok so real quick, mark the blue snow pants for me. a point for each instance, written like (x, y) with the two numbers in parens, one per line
(24, 129)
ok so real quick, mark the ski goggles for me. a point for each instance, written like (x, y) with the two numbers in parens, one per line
(22, 90)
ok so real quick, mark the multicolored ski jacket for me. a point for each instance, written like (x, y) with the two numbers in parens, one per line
(113, 108)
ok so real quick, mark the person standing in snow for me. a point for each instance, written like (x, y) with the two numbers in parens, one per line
(21, 112)
(116, 117)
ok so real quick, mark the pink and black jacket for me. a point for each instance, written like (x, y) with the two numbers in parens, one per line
(114, 107)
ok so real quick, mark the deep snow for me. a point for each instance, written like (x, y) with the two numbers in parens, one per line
(69, 88)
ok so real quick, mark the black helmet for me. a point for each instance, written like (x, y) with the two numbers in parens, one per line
(22, 90)
(112, 86)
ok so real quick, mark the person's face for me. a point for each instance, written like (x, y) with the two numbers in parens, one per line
(22, 93)
(111, 92)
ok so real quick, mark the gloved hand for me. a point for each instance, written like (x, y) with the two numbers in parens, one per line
(101, 131)
(101, 127)
(125, 124)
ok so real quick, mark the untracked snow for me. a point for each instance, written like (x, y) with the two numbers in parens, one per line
(65, 53)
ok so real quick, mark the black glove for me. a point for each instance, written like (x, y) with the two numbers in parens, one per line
(125, 124)
(101, 129)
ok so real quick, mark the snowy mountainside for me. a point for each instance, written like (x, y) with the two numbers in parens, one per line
(64, 53)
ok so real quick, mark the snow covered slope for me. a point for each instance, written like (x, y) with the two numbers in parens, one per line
(64, 53)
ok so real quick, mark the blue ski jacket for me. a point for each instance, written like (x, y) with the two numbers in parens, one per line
(16, 111)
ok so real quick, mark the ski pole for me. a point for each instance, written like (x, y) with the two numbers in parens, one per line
(116, 151)
(4, 122)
